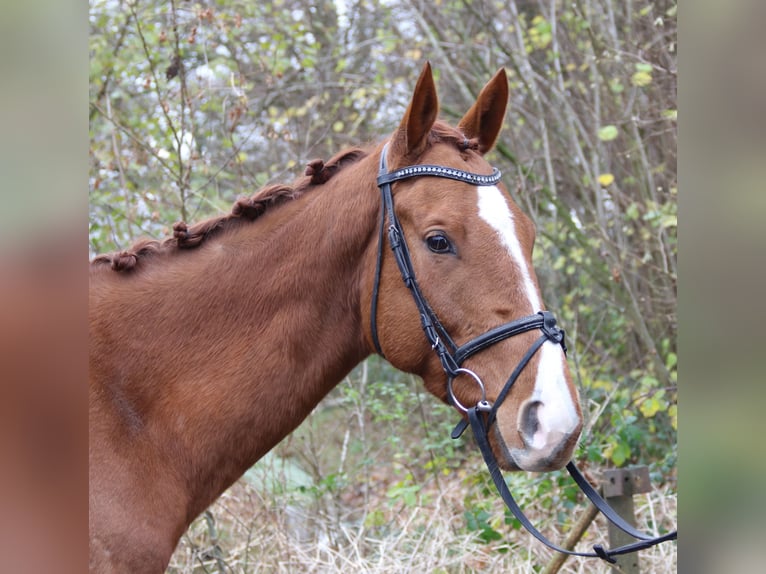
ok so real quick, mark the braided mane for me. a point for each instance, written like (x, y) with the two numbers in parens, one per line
(251, 208)
(244, 209)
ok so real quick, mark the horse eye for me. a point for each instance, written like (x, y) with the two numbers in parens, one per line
(438, 243)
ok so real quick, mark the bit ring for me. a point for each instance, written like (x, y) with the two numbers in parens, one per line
(475, 377)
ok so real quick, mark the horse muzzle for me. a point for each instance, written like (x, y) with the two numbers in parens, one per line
(547, 435)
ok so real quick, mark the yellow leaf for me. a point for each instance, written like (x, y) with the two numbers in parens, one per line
(650, 407)
(606, 179)
(641, 79)
(673, 412)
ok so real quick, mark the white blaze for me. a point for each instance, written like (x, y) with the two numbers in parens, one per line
(557, 416)
(494, 210)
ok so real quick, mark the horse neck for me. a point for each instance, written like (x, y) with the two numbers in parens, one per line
(226, 348)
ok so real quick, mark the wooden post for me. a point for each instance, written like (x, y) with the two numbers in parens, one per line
(558, 559)
(619, 486)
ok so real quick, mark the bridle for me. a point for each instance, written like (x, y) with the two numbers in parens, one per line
(482, 415)
(450, 354)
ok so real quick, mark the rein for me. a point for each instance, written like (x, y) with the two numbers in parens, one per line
(481, 416)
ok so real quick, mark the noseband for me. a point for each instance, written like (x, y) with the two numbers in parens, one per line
(482, 415)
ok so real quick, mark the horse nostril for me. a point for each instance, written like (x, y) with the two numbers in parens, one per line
(529, 423)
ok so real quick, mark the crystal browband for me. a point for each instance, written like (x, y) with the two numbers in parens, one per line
(440, 171)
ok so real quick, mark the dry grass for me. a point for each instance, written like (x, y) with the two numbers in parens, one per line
(249, 531)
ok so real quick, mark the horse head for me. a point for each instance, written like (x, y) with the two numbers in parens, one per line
(468, 250)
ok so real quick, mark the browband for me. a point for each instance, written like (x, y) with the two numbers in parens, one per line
(438, 171)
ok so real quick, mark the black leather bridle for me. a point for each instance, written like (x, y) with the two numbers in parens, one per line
(482, 415)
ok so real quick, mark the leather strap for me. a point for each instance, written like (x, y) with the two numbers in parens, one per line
(480, 431)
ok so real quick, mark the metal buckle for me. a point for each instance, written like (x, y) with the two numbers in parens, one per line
(482, 405)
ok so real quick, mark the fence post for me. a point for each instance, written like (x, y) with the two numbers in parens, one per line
(619, 486)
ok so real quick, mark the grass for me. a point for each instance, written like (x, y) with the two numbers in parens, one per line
(371, 483)
(245, 531)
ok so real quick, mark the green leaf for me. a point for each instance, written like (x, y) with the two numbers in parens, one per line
(489, 534)
(649, 381)
(375, 518)
(607, 133)
(620, 454)
(669, 220)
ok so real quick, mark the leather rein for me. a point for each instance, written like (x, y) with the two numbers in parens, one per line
(481, 416)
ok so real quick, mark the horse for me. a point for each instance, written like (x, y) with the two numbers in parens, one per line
(207, 348)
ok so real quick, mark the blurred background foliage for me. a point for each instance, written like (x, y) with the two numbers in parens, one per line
(193, 103)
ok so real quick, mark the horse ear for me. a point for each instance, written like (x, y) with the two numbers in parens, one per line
(485, 118)
(411, 139)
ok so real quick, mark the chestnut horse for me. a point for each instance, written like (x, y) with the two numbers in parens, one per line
(208, 348)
